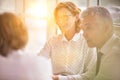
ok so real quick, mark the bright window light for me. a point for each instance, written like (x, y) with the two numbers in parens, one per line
(37, 9)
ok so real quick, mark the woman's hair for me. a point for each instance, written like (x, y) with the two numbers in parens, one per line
(13, 33)
(72, 8)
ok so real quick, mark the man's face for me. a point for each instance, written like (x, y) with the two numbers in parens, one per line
(93, 31)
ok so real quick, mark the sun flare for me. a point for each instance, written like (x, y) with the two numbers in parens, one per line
(38, 10)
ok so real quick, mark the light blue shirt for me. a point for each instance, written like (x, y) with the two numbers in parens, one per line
(110, 62)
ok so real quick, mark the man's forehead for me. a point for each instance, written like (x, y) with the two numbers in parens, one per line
(84, 24)
(85, 21)
(89, 19)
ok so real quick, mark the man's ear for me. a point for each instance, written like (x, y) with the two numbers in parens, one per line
(106, 27)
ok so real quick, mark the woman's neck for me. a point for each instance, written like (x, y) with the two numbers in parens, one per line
(70, 34)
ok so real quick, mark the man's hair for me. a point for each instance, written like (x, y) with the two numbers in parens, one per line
(103, 17)
(99, 11)
(13, 33)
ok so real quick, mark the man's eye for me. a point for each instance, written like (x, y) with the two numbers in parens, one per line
(87, 27)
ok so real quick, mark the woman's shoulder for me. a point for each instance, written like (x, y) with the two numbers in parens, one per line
(55, 39)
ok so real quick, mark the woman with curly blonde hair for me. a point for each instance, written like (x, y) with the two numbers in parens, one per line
(68, 51)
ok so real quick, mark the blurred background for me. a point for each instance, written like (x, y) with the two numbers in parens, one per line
(39, 19)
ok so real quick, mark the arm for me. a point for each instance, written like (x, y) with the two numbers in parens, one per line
(45, 51)
(70, 77)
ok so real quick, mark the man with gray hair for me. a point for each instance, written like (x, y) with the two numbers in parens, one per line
(97, 26)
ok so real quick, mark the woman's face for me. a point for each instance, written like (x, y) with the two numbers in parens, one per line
(65, 20)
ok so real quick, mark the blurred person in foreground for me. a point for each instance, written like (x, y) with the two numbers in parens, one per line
(97, 26)
(68, 51)
(14, 65)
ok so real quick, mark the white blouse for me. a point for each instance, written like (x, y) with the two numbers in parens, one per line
(69, 58)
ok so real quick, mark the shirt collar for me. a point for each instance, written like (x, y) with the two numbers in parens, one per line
(15, 53)
(108, 45)
(75, 37)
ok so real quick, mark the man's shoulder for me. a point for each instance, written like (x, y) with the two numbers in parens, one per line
(115, 48)
(117, 43)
